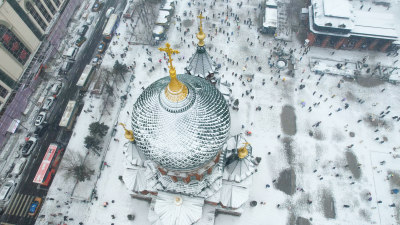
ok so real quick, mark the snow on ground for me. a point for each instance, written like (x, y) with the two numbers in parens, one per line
(321, 174)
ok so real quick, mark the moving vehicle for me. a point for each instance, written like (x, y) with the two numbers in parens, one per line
(19, 167)
(111, 25)
(49, 165)
(55, 88)
(40, 118)
(82, 31)
(48, 103)
(68, 118)
(66, 66)
(84, 79)
(102, 47)
(109, 11)
(80, 41)
(35, 206)
(96, 60)
(97, 6)
(28, 146)
(40, 130)
(6, 190)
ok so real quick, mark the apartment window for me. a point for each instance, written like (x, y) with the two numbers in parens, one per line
(57, 2)
(3, 92)
(50, 6)
(7, 80)
(41, 8)
(13, 45)
(36, 16)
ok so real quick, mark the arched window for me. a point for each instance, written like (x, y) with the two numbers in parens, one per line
(36, 16)
(41, 8)
(57, 2)
(50, 6)
(13, 45)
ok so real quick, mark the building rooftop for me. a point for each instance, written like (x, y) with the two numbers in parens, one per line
(335, 14)
(271, 17)
(341, 14)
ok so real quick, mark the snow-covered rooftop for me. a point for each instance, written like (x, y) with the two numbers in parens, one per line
(271, 17)
(337, 14)
(341, 14)
(374, 23)
(337, 8)
(158, 29)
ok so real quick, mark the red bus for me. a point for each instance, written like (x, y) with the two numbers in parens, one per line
(48, 167)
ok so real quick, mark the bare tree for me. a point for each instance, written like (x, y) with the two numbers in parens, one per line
(74, 164)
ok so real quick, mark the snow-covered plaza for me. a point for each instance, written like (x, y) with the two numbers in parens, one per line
(328, 144)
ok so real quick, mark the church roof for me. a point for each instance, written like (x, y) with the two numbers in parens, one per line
(175, 209)
(238, 169)
(185, 135)
(233, 196)
(201, 63)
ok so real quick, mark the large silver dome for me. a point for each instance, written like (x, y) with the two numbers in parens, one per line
(181, 136)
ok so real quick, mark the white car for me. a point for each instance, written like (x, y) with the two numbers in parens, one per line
(29, 146)
(96, 60)
(40, 118)
(109, 12)
(6, 190)
(19, 167)
(48, 103)
(55, 88)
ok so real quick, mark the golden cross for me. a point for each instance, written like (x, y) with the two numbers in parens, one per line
(169, 52)
(201, 17)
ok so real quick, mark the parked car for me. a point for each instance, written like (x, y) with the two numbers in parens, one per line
(35, 206)
(90, 19)
(70, 53)
(6, 190)
(55, 88)
(40, 130)
(102, 47)
(40, 118)
(19, 167)
(48, 103)
(82, 31)
(80, 41)
(29, 146)
(96, 60)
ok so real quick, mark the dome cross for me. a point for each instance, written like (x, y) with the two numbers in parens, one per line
(175, 91)
(201, 22)
(201, 35)
(169, 52)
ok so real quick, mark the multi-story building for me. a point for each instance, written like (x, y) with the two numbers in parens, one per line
(338, 24)
(30, 33)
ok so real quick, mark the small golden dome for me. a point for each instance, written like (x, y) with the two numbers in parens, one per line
(243, 152)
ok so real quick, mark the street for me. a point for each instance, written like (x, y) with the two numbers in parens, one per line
(17, 209)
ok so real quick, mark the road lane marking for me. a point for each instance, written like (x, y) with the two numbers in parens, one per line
(17, 204)
(12, 205)
(20, 203)
(25, 207)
